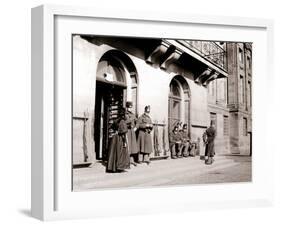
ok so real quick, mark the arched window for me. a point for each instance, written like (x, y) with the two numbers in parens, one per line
(134, 91)
(174, 104)
(179, 102)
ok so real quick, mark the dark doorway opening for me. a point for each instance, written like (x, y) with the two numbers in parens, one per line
(109, 100)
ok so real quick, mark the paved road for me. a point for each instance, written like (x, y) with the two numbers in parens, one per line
(166, 172)
(241, 172)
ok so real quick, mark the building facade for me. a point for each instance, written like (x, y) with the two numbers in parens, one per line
(240, 97)
(183, 81)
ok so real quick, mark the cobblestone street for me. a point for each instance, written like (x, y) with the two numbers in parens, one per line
(166, 172)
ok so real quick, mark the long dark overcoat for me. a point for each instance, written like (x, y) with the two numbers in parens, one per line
(131, 122)
(118, 158)
(210, 147)
(144, 138)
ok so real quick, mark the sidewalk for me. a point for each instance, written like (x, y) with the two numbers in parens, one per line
(166, 172)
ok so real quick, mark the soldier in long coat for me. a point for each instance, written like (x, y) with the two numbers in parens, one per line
(118, 158)
(185, 141)
(144, 139)
(209, 139)
(175, 143)
(131, 122)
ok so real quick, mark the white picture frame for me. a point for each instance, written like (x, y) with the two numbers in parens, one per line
(52, 197)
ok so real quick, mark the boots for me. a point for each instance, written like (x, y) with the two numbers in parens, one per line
(209, 161)
(132, 161)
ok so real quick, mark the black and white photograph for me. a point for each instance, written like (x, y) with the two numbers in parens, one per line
(140, 113)
(160, 112)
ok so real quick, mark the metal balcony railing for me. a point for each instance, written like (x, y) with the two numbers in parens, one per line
(209, 50)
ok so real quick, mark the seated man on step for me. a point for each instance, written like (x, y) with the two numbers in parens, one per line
(185, 141)
(175, 143)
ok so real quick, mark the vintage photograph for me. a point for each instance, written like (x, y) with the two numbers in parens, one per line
(150, 112)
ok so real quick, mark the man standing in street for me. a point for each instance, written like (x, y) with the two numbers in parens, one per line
(209, 138)
(145, 139)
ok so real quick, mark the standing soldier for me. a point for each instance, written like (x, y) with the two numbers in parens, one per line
(118, 158)
(209, 138)
(144, 139)
(185, 141)
(131, 121)
(175, 142)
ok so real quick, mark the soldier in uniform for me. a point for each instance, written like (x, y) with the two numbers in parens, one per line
(131, 122)
(209, 138)
(185, 141)
(118, 158)
(175, 143)
(145, 127)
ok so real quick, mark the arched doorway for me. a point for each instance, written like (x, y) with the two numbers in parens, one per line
(116, 82)
(179, 102)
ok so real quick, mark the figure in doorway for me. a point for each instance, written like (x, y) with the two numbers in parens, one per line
(131, 122)
(118, 158)
(145, 126)
(209, 138)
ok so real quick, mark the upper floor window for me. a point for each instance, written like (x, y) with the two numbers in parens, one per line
(249, 93)
(245, 126)
(225, 125)
(241, 55)
(249, 63)
(241, 86)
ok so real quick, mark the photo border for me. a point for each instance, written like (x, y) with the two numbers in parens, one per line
(44, 161)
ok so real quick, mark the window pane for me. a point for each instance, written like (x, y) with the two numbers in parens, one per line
(245, 126)
(176, 109)
(249, 62)
(249, 94)
(175, 89)
(186, 113)
(225, 125)
(240, 55)
(241, 89)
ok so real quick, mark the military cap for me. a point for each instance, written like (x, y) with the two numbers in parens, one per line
(147, 108)
(129, 104)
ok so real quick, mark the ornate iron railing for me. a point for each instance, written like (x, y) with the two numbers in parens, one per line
(209, 50)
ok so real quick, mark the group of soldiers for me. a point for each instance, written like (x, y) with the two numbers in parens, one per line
(180, 144)
(126, 148)
(132, 142)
